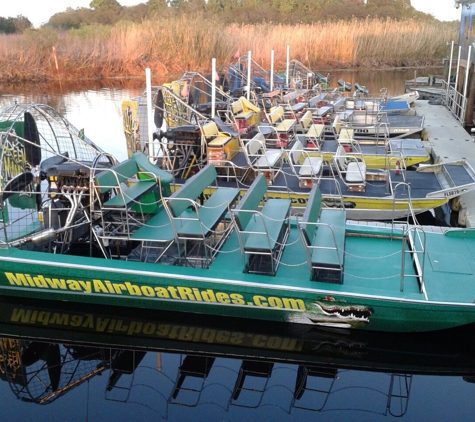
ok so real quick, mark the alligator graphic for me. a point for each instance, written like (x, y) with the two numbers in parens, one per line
(337, 313)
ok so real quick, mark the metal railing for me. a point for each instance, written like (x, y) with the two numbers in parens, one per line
(455, 102)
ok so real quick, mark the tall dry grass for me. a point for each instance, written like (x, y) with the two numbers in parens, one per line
(189, 43)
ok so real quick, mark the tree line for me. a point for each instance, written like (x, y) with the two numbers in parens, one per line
(109, 12)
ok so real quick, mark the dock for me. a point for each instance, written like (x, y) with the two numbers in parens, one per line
(449, 141)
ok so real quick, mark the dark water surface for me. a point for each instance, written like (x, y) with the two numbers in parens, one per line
(111, 365)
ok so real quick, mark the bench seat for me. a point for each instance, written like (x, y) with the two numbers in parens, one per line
(323, 233)
(286, 125)
(157, 229)
(262, 235)
(132, 194)
(181, 219)
(202, 222)
(267, 227)
(143, 178)
(311, 166)
(127, 193)
(325, 253)
(315, 130)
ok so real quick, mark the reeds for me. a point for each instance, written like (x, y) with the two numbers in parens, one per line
(175, 44)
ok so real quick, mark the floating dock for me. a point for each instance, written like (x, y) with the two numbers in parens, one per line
(449, 141)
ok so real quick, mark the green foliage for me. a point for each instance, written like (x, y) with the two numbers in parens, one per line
(109, 12)
(87, 32)
(70, 18)
(14, 25)
(43, 39)
(155, 6)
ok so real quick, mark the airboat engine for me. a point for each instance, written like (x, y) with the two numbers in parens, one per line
(67, 209)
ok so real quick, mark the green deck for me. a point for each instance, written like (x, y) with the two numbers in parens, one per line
(370, 287)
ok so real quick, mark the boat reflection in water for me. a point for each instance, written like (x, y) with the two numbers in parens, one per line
(164, 360)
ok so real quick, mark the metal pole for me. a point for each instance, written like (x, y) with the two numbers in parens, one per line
(467, 72)
(456, 94)
(458, 69)
(248, 75)
(449, 72)
(150, 124)
(272, 70)
(450, 62)
(213, 87)
(287, 67)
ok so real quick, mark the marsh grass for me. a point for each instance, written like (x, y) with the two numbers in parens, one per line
(173, 45)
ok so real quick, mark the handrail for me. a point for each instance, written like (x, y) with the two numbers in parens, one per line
(455, 102)
(416, 250)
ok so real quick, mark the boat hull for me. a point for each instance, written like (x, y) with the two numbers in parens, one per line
(362, 207)
(182, 289)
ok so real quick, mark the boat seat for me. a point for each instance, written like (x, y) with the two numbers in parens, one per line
(308, 168)
(192, 222)
(204, 219)
(145, 177)
(220, 146)
(127, 194)
(262, 159)
(351, 168)
(343, 134)
(323, 236)
(182, 219)
(212, 135)
(238, 111)
(284, 127)
(156, 236)
(294, 103)
(276, 117)
(312, 133)
(243, 115)
(262, 234)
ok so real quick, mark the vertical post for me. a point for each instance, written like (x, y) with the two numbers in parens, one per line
(287, 67)
(272, 70)
(458, 69)
(463, 110)
(456, 93)
(213, 87)
(450, 62)
(249, 75)
(467, 72)
(150, 124)
(449, 73)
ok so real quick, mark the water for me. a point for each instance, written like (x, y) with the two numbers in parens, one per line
(360, 377)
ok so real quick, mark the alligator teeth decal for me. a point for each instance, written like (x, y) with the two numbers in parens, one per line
(328, 311)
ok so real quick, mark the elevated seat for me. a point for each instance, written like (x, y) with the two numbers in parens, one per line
(294, 103)
(313, 133)
(323, 236)
(351, 168)
(277, 118)
(194, 224)
(343, 134)
(186, 222)
(220, 146)
(308, 168)
(283, 127)
(262, 234)
(137, 170)
(127, 194)
(262, 159)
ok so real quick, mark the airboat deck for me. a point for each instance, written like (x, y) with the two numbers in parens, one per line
(79, 226)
